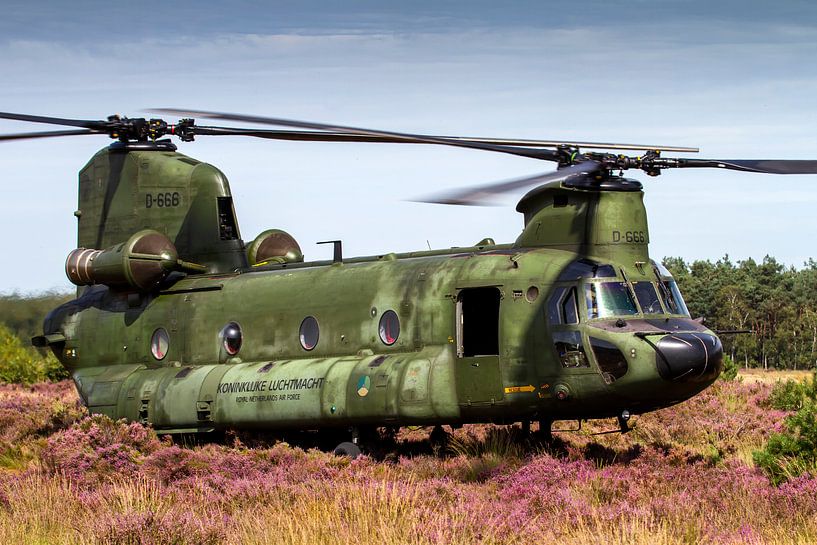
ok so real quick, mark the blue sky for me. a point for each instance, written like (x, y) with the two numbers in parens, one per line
(737, 79)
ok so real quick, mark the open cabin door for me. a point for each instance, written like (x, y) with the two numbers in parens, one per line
(478, 376)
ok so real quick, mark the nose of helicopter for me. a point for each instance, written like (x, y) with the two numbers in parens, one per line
(689, 357)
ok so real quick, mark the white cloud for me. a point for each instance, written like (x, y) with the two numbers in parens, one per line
(736, 90)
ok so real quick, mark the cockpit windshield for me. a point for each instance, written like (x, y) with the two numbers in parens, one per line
(647, 298)
(606, 299)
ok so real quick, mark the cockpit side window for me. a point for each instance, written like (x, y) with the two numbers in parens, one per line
(668, 288)
(562, 306)
(569, 311)
(563, 312)
(675, 303)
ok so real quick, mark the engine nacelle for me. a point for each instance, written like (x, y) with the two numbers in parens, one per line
(274, 246)
(141, 262)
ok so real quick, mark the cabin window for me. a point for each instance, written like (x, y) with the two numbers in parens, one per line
(389, 328)
(478, 322)
(159, 343)
(231, 338)
(647, 297)
(309, 333)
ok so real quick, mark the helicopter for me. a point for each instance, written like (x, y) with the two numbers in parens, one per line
(181, 325)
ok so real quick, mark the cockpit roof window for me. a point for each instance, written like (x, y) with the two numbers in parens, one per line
(586, 268)
(609, 299)
(663, 272)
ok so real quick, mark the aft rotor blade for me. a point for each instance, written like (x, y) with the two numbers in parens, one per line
(547, 155)
(47, 134)
(87, 124)
(484, 195)
(767, 166)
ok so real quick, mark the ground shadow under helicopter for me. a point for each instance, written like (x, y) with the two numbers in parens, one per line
(501, 442)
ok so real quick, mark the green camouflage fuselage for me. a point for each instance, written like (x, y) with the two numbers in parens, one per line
(481, 330)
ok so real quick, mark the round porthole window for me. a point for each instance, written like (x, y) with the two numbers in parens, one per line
(231, 338)
(309, 333)
(159, 343)
(389, 327)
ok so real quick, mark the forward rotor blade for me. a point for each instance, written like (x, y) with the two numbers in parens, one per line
(325, 136)
(767, 166)
(48, 134)
(485, 195)
(547, 155)
(87, 124)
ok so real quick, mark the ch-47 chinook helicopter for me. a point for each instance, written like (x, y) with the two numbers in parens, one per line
(181, 325)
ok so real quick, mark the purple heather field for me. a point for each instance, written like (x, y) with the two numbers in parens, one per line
(684, 475)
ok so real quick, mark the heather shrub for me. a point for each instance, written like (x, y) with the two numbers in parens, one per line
(174, 527)
(727, 419)
(680, 476)
(29, 413)
(98, 448)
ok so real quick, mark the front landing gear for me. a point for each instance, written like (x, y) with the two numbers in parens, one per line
(623, 420)
(362, 439)
(348, 449)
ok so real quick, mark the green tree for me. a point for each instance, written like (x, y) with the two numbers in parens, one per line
(23, 364)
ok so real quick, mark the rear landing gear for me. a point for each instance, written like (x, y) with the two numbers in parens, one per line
(546, 430)
(438, 439)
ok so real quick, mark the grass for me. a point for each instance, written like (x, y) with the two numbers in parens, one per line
(682, 476)
(772, 376)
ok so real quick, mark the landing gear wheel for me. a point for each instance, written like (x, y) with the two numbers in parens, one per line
(350, 450)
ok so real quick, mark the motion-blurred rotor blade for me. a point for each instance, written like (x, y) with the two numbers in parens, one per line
(767, 166)
(48, 134)
(485, 195)
(303, 136)
(325, 136)
(548, 155)
(87, 124)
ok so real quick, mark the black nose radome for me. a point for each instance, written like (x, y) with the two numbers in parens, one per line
(689, 357)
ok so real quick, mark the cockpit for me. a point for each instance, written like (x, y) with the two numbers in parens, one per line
(599, 314)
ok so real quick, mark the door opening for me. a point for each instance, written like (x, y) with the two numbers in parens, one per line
(478, 322)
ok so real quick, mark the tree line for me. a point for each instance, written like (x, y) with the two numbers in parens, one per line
(777, 303)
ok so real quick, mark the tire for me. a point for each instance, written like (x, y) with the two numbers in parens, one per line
(347, 449)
